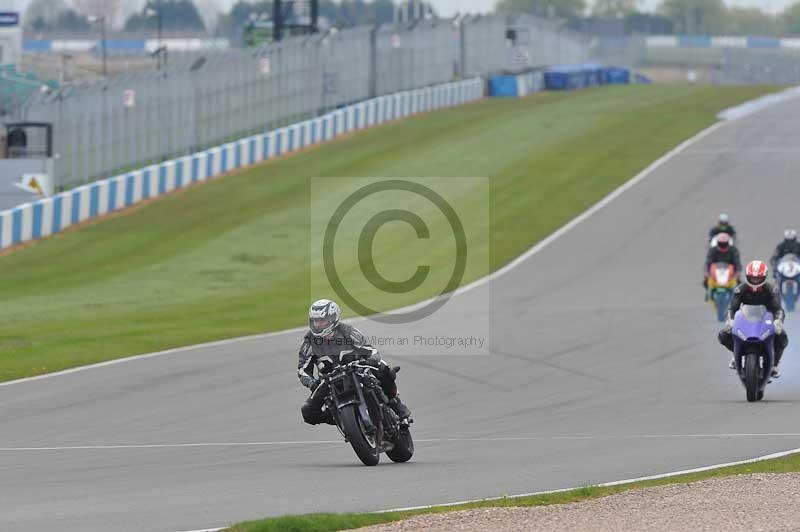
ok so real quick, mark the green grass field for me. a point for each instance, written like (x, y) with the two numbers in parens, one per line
(230, 257)
(333, 522)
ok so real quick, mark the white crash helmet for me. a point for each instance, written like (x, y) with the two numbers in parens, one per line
(790, 234)
(323, 317)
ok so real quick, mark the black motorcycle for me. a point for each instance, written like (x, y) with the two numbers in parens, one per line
(362, 413)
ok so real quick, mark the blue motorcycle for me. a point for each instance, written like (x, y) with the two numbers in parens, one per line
(753, 349)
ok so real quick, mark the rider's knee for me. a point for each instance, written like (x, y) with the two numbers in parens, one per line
(782, 340)
(726, 339)
(309, 416)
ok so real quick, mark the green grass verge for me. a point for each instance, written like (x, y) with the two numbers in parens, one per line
(230, 258)
(332, 522)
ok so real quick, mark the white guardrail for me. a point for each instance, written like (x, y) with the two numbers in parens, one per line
(48, 216)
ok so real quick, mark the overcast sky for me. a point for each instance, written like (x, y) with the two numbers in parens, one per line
(444, 7)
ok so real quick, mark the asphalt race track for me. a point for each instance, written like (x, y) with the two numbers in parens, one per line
(604, 366)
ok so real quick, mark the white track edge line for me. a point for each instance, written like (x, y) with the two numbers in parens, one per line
(605, 484)
(471, 286)
(510, 439)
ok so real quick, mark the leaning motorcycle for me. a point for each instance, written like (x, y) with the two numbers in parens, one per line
(362, 413)
(787, 273)
(721, 283)
(753, 348)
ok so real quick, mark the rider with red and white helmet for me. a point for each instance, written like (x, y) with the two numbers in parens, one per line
(756, 290)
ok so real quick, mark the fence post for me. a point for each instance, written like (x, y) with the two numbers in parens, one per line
(373, 61)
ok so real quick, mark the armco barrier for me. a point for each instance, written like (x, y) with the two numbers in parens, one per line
(51, 215)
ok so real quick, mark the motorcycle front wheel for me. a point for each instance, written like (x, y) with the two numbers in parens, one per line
(403, 447)
(364, 445)
(751, 377)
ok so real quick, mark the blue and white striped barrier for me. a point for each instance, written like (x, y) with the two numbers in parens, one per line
(723, 41)
(122, 45)
(51, 215)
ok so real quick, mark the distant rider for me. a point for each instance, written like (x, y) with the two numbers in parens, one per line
(789, 245)
(723, 226)
(329, 343)
(757, 291)
(724, 251)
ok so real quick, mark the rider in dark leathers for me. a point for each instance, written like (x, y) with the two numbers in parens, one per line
(723, 226)
(789, 245)
(332, 344)
(722, 252)
(757, 291)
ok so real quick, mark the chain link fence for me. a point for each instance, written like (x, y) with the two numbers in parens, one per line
(721, 65)
(108, 126)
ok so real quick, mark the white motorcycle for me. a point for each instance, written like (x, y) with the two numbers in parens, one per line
(787, 275)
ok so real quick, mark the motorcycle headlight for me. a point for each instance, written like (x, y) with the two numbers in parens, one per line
(741, 335)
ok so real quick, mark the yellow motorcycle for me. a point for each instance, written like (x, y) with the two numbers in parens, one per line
(721, 282)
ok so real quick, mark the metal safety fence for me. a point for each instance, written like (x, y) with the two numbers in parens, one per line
(108, 126)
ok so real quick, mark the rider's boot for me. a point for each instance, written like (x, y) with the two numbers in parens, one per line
(732, 365)
(400, 408)
(778, 356)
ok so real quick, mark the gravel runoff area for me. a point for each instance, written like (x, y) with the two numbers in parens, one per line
(746, 503)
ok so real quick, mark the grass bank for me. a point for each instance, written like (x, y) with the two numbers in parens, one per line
(231, 257)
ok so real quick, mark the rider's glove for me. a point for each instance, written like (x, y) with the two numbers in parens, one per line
(728, 328)
(313, 385)
(778, 324)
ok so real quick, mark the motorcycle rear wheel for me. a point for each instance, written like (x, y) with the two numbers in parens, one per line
(364, 446)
